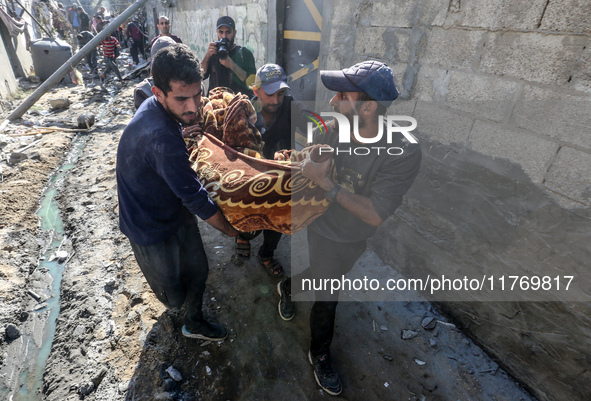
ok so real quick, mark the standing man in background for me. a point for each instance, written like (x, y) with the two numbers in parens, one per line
(135, 37)
(84, 20)
(227, 64)
(164, 26)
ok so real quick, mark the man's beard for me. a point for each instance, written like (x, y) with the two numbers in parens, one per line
(271, 109)
(186, 119)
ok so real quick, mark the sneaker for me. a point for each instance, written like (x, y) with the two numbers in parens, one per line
(325, 375)
(286, 306)
(209, 331)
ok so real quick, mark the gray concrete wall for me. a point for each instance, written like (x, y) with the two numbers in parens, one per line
(8, 82)
(194, 21)
(501, 91)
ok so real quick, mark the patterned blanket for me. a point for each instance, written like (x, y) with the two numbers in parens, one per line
(252, 192)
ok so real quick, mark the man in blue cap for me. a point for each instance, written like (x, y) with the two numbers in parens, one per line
(226, 64)
(369, 187)
(274, 122)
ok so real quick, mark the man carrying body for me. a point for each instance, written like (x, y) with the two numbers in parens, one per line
(164, 26)
(368, 189)
(274, 122)
(234, 69)
(159, 192)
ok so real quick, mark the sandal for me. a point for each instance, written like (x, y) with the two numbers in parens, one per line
(274, 268)
(242, 250)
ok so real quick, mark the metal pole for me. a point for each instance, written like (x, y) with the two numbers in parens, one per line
(57, 76)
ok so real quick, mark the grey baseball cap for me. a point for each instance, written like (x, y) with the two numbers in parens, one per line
(271, 78)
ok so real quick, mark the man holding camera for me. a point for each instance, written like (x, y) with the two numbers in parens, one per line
(227, 64)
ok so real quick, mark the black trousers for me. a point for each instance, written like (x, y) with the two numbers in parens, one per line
(270, 242)
(328, 260)
(135, 49)
(176, 269)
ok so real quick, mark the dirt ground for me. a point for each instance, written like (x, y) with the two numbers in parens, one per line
(114, 341)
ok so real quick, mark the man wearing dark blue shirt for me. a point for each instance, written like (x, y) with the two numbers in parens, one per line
(159, 192)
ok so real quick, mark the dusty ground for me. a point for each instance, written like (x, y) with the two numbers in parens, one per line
(114, 341)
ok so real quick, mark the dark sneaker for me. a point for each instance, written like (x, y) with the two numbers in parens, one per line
(325, 375)
(208, 331)
(286, 306)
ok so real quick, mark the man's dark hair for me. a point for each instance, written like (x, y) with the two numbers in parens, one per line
(175, 63)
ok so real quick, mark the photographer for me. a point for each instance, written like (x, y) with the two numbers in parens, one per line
(227, 64)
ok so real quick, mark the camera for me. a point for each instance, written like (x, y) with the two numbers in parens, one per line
(222, 46)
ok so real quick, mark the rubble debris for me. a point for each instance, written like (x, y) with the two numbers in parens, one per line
(16, 158)
(429, 323)
(408, 334)
(85, 120)
(174, 374)
(59, 103)
(12, 333)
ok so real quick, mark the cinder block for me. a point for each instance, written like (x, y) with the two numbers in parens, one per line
(439, 124)
(382, 42)
(568, 16)
(483, 96)
(532, 56)
(569, 174)
(560, 116)
(408, 13)
(502, 14)
(432, 84)
(452, 48)
(533, 154)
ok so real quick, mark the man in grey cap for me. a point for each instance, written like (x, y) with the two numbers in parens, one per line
(274, 121)
(144, 89)
(368, 189)
(227, 64)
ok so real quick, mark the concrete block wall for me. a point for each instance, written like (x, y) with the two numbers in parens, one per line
(194, 22)
(501, 90)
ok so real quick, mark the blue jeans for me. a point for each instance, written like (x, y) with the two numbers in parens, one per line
(176, 269)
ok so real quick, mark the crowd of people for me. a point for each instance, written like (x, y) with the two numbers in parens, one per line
(160, 194)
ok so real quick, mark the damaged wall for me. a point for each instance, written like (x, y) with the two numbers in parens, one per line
(501, 91)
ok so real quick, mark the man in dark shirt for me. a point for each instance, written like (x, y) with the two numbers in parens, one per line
(235, 71)
(159, 193)
(164, 26)
(369, 188)
(135, 38)
(274, 122)
(91, 58)
(84, 20)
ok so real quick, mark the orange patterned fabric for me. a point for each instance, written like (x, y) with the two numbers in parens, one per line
(252, 192)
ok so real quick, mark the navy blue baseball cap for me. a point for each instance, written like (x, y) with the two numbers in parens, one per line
(225, 21)
(372, 77)
(271, 78)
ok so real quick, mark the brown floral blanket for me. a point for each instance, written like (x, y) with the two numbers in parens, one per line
(252, 192)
